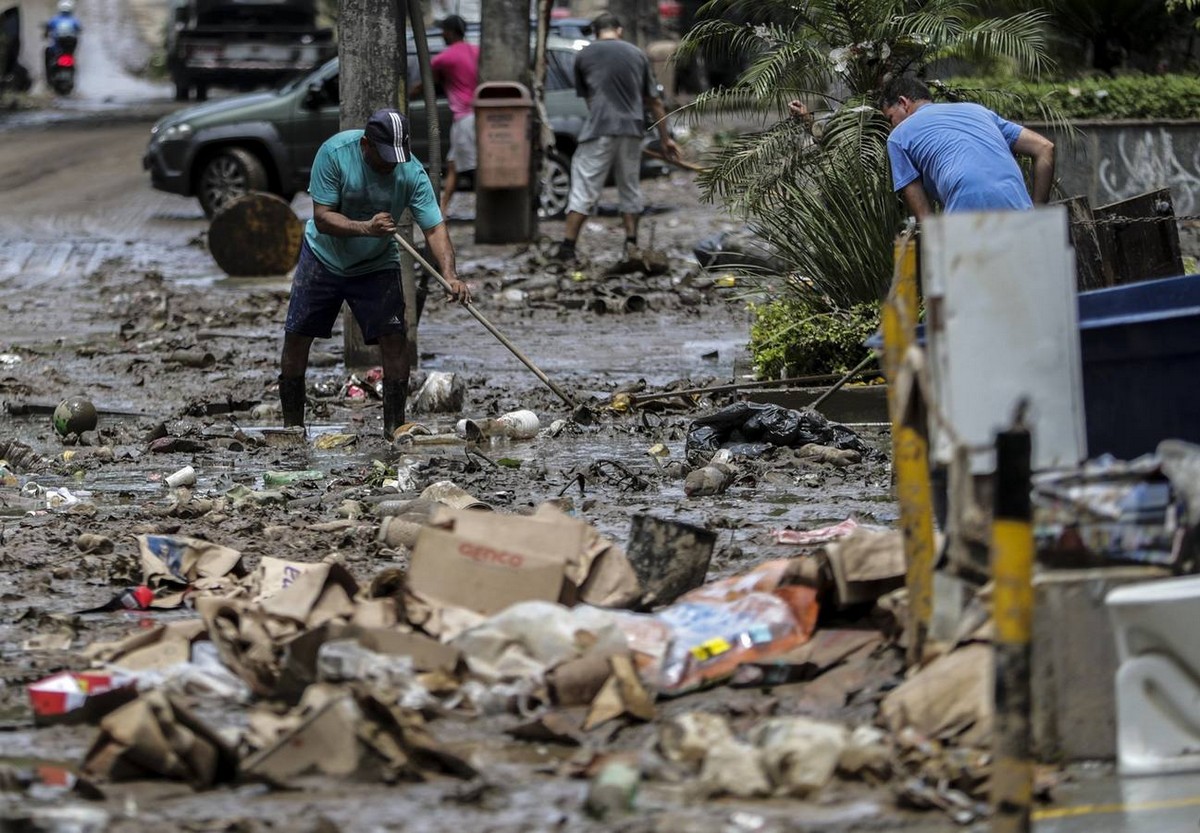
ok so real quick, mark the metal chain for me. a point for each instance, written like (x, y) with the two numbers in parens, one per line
(1119, 221)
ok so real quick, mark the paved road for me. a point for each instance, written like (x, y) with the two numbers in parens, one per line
(1106, 804)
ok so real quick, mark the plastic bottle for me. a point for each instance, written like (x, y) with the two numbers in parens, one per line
(284, 478)
(516, 425)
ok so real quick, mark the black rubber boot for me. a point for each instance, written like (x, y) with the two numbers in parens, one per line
(395, 397)
(292, 398)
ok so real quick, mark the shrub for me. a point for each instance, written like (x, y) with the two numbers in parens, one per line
(1123, 97)
(790, 338)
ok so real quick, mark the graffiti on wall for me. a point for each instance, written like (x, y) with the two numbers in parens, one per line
(1147, 160)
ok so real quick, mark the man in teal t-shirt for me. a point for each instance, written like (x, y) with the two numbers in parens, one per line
(361, 181)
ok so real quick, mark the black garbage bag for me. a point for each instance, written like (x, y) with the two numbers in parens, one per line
(753, 428)
(728, 418)
(844, 438)
(703, 440)
(748, 451)
(772, 424)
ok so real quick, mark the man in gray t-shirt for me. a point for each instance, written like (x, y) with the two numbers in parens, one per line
(615, 78)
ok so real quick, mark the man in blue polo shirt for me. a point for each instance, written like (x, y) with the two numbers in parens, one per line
(362, 180)
(960, 154)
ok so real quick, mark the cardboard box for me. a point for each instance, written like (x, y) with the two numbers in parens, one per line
(482, 576)
(485, 562)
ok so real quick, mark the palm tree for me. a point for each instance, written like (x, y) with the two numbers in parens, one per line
(819, 189)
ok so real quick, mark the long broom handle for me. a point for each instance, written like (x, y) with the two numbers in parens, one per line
(488, 325)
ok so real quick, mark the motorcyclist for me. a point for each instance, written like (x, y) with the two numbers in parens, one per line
(62, 31)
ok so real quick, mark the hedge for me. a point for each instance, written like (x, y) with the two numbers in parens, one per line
(1123, 97)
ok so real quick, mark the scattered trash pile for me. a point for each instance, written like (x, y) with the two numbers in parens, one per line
(540, 621)
(641, 281)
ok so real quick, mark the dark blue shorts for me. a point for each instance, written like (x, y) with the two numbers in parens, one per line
(375, 298)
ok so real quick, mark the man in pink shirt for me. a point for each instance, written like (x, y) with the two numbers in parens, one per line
(456, 69)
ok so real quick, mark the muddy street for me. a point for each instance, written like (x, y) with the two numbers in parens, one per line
(109, 293)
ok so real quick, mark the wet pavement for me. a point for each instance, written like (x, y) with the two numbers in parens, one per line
(1100, 801)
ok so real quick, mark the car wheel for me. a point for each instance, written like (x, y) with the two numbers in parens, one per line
(556, 184)
(182, 88)
(227, 175)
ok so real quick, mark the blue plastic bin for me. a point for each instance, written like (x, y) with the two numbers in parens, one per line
(1140, 346)
(1140, 350)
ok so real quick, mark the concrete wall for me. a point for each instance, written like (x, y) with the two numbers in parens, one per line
(1112, 161)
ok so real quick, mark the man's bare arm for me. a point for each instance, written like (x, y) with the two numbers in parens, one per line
(670, 149)
(917, 200)
(1041, 149)
(329, 220)
(438, 239)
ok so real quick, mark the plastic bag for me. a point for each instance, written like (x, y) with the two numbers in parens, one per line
(718, 627)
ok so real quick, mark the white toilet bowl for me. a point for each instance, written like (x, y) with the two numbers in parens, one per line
(1157, 628)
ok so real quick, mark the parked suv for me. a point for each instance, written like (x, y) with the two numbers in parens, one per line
(267, 141)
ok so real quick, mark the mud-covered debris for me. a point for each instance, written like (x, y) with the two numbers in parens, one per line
(156, 648)
(577, 681)
(951, 698)
(74, 415)
(517, 425)
(866, 564)
(669, 557)
(733, 767)
(688, 737)
(191, 358)
(714, 478)
(155, 736)
(328, 442)
(551, 727)
(288, 478)
(451, 494)
(799, 755)
(349, 732)
(178, 566)
(867, 755)
(21, 458)
(840, 457)
(79, 697)
(442, 393)
(622, 695)
(91, 543)
(750, 429)
(815, 537)
(185, 476)
(613, 791)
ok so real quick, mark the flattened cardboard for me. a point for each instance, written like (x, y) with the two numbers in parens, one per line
(427, 654)
(154, 736)
(175, 566)
(160, 647)
(485, 574)
(326, 741)
(320, 593)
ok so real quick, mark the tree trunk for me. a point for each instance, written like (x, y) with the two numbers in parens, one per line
(373, 60)
(505, 215)
(629, 13)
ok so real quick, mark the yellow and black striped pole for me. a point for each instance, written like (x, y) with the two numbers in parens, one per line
(910, 448)
(1012, 570)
